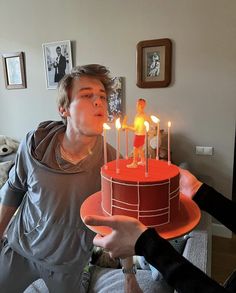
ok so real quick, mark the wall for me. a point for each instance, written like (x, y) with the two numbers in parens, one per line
(200, 101)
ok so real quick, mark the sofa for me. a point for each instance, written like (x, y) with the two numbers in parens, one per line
(197, 249)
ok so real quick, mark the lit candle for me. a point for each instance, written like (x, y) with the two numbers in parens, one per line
(169, 160)
(118, 126)
(126, 144)
(157, 121)
(105, 128)
(146, 147)
(124, 125)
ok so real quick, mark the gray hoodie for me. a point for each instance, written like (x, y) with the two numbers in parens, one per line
(49, 192)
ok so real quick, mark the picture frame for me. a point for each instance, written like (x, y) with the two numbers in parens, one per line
(154, 63)
(14, 70)
(57, 61)
(116, 100)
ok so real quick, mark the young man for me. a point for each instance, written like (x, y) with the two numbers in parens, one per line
(129, 237)
(139, 133)
(57, 167)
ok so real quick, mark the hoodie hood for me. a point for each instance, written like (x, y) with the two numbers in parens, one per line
(44, 142)
(45, 148)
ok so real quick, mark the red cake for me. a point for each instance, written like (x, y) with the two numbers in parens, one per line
(154, 200)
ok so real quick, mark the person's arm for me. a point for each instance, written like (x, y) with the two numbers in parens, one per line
(131, 284)
(220, 207)
(208, 199)
(130, 237)
(176, 270)
(6, 213)
(13, 191)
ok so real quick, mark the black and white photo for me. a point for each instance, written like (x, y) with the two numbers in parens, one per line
(57, 61)
(116, 100)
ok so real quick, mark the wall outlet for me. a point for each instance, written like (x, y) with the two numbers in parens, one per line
(203, 150)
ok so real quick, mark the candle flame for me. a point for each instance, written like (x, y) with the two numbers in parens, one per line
(146, 125)
(169, 124)
(118, 124)
(155, 119)
(106, 126)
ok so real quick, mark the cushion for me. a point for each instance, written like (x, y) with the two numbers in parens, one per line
(4, 169)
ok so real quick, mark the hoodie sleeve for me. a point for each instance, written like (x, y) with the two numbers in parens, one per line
(176, 270)
(14, 189)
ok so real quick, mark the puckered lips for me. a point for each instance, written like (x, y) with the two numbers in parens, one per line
(99, 114)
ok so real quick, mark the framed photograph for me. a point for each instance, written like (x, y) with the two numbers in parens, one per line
(154, 63)
(57, 62)
(116, 100)
(14, 70)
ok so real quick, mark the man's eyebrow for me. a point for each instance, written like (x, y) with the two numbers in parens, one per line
(89, 88)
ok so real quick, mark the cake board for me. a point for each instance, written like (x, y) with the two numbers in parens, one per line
(187, 219)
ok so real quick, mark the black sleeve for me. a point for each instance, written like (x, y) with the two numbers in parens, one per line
(177, 271)
(220, 207)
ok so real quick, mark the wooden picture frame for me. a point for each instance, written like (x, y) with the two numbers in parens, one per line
(56, 64)
(14, 70)
(154, 63)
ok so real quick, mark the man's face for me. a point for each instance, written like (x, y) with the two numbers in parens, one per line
(140, 106)
(88, 108)
(58, 51)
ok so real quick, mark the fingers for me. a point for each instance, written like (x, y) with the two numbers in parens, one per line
(99, 221)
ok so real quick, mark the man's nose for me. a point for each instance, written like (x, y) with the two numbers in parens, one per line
(97, 101)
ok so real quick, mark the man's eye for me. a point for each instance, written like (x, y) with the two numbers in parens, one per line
(103, 97)
(86, 96)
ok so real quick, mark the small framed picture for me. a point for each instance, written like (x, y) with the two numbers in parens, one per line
(116, 100)
(57, 62)
(14, 70)
(154, 63)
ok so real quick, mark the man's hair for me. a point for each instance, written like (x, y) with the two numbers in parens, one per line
(97, 71)
(142, 101)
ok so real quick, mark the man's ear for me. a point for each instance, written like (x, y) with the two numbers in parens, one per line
(64, 112)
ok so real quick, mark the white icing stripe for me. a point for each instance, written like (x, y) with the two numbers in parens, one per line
(128, 184)
(136, 211)
(154, 210)
(174, 196)
(177, 189)
(152, 216)
(125, 203)
(151, 226)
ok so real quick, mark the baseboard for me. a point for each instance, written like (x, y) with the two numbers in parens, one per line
(221, 231)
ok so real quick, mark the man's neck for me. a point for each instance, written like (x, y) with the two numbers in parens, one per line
(77, 145)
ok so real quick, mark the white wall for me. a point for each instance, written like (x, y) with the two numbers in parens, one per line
(200, 102)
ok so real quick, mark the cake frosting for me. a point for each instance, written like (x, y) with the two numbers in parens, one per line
(154, 200)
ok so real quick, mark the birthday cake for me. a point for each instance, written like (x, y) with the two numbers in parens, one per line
(152, 199)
